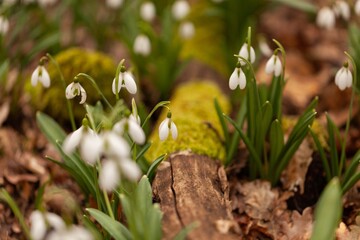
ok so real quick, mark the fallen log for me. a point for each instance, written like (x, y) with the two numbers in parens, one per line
(191, 186)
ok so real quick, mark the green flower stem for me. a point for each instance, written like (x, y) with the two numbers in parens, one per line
(160, 104)
(5, 196)
(93, 82)
(68, 102)
(108, 205)
(342, 158)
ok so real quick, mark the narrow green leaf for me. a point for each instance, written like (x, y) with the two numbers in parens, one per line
(224, 127)
(276, 143)
(50, 128)
(153, 220)
(248, 144)
(351, 169)
(117, 230)
(5, 197)
(144, 195)
(334, 158)
(322, 155)
(142, 151)
(350, 183)
(185, 231)
(328, 212)
(152, 169)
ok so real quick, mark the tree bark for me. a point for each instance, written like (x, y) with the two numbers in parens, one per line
(189, 188)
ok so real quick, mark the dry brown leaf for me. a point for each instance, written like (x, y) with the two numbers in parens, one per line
(299, 226)
(293, 177)
(350, 233)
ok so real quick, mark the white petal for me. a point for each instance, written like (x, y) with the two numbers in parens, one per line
(270, 65)
(337, 76)
(252, 55)
(83, 94)
(242, 80)
(174, 132)
(116, 145)
(244, 53)
(44, 78)
(325, 18)
(164, 129)
(109, 176)
(119, 127)
(38, 225)
(55, 221)
(69, 93)
(147, 11)
(91, 148)
(136, 132)
(264, 48)
(142, 45)
(114, 4)
(130, 83)
(180, 9)
(72, 141)
(234, 79)
(278, 67)
(349, 78)
(187, 30)
(342, 81)
(130, 169)
(114, 85)
(136, 118)
(35, 76)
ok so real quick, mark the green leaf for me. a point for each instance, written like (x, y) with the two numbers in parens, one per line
(276, 142)
(224, 127)
(299, 4)
(350, 183)
(322, 155)
(117, 230)
(151, 172)
(153, 220)
(334, 158)
(50, 128)
(185, 231)
(328, 212)
(144, 195)
(351, 169)
(143, 150)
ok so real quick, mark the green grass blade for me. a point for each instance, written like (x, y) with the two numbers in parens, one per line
(351, 169)
(328, 212)
(276, 143)
(224, 127)
(334, 158)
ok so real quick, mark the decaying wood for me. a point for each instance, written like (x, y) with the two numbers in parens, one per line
(191, 188)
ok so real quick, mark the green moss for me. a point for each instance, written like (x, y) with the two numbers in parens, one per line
(73, 61)
(194, 114)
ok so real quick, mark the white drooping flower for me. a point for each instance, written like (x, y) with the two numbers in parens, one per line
(88, 142)
(70, 233)
(40, 222)
(132, 127)
(50, 226)
(46, 3)
(126, 80)
(264, 48)
(167, 126)
(109, 176)
(325, 18)
(134, 112)
(237, 78)
(75, 89)
(187, 30)
(41, 75)
(180, 9)
(142, 45)
(343, 78)
(147, 11)
(4, 25)
(357, 7)
(274, 66)
(342, 9)
(114, 4)
(244, 53)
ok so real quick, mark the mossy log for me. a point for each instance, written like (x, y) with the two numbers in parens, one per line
(191, 186)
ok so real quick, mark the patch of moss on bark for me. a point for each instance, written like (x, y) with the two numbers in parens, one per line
(194, 114)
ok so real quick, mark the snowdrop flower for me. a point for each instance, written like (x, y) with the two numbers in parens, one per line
(342, 9)
(274, 66)
(46, 3)
(114, 146)
(142, 45)
(126, 80)
(4, 25)
(343, 77)
(147, 11)
(70, 233)
(41, 221)
(180, 9)
(131, 126)
(237, 78)
(357, 7)
(167, 126)
(187, 30)
(75, 89)
(114, 4)
(264, 48)
(325, 18)
(244, 53)
(41, 75)
(109, 176)
(134, 113)
(89, 144)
